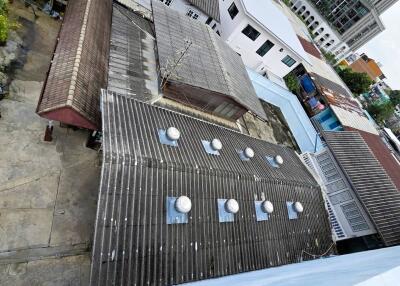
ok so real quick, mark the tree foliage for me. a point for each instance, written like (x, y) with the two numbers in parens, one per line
(381, 111)
(330, 58)
(292, 83)
(4, 23)
(394, 97)
(357, 82)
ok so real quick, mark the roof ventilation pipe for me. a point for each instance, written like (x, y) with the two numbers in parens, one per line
(267, 207)
(232, 206)
(278, 159)
(248, 153)
(298, 207)
(216, 144)
(173, 134)
(183, 204)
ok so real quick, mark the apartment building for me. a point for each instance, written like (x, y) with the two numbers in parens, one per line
(342, 26)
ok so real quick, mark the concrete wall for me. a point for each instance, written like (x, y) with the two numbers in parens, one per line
(291, 108)
(232, 34)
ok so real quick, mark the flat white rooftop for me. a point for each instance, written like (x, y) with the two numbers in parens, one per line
(370, 268)
(276, 22)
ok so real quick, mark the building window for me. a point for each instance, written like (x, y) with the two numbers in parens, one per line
(168, 2)
(233, 10)
(250, 32)
(288, 61)
(218, 33)
(209, 20)
(213, 27)
(265, 48)
(192, 14)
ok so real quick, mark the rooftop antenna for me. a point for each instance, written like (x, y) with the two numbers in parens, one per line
(174, 62)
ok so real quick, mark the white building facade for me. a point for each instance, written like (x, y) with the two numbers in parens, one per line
(262, 35)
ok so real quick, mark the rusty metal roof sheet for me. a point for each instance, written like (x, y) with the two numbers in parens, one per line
(78, 71)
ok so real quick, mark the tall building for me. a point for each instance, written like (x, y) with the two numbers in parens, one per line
(341, 26)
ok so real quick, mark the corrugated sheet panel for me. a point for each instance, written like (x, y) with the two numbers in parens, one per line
(210, 7)
(132, 64)
(133, 245)
(370, 181)
(209, 64)
(324, 82)
(383, 154)
(79, 67)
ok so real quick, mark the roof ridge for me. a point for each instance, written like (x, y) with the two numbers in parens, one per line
(75, 69)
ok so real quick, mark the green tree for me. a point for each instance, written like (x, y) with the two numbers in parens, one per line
(381, 111)
(330, 58)
(357, 82)
(3, 7)
(394, 97)
(292, 83)
(4, 23)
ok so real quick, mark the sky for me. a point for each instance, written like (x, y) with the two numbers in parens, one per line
(385, 48)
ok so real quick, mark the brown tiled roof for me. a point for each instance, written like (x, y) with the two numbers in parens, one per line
(71, 93)
(309, 47)
(382, 153)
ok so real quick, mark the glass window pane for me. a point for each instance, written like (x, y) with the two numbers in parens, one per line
(265, 48)
(250, 32)
(288, 61)
(233, 10)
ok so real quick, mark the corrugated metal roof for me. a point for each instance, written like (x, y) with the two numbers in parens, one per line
(71, 93)
(132, 64)
(210, 63)
(333, 86)
(345, 107)
(383, 154)
(354, 120)
(133, 244)
(210, 7)
(375, 189)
